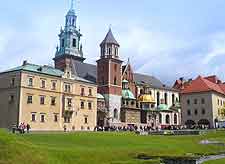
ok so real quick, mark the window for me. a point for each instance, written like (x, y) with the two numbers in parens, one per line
(167, 119)
(69, 102)
(82, 105)
(29, 99)
(11, 99)
(89, 105)
(74, 43)
(42, 118)
(53, 101)
(189, 112)
(85, 120)
(33, 117)
(42, 83)
(82, 92)
(12, 83)
(221, 102)
(55, 117)
(175, 119)
(67, 87)
(132, 102)
(160, 118)
(63, 42)
(42, 100)
(196, 112)
(115, 114)
(90, 92)
(30, 81)
(53, 85)
(115, 81)
(165, 97)
(203, 101)
(109, 51)
(203, 111)
(218, 102)
(173, 99)
(158, 98)
(188, 102)
(195, 101)
(115, 67)
(67, 119)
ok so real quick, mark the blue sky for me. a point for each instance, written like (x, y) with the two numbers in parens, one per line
(167, 39)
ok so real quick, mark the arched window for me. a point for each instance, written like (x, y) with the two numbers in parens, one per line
(109, 51)
(165, 97)
(158, 98)
(160, 118)
(173, 99)
(115, 81)
(175, 118)
(167, 119)
(115, 114)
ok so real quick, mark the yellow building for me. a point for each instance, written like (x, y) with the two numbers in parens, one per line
(45, 98)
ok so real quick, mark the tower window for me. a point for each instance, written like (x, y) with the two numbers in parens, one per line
(115, 81)
(109, 51)
(74, 42)
(63, 42)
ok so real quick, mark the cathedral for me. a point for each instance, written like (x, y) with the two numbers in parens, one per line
(110, 90)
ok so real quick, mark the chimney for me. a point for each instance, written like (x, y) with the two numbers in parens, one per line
(24, 62)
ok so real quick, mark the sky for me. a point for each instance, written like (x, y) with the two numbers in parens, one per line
(168, 39)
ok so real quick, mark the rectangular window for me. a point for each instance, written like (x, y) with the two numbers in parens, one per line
(195, 101)
(42, 83)
(11, 99)
(67, 87)
(63, 42)
(53, 85)
(203, 101)
(90, 92)
(82, 105)
(89, 105)
(69, 102)
(85, 120)
(53, 101)
(33, 117)
(74, 43)
(82, 92)
(29, 99)
(55, 117)
(42, 118)
(42, 100)
(30, 81)
(12, 83)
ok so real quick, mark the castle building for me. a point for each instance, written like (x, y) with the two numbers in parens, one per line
(79, 96)
(50, 98)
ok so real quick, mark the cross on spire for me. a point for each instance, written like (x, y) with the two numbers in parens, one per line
(72, 4)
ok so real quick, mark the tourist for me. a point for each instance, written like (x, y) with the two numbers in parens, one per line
(28, 128)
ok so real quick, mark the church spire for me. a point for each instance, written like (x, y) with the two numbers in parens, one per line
(72, 7)
(70, 36)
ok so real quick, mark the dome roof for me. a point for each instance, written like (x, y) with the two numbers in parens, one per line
(146, 98)
(125, 81)
(99, 96)
(163, 107)
(127, 94)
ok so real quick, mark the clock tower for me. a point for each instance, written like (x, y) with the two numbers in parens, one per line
(109, 77)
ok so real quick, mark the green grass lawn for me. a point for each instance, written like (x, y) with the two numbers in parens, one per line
(100, 148)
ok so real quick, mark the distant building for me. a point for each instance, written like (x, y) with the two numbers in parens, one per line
(203, 102)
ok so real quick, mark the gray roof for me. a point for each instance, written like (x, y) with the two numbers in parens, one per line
(109, 39)
(89, 72)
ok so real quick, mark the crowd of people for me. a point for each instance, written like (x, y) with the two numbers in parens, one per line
(22, 128)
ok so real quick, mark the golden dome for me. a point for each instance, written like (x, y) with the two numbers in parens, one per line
(146, 98)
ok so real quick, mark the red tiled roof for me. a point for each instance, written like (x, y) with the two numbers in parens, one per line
(201, 84)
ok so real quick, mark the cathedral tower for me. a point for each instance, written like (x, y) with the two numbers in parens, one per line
(109, 76)
(70, 48)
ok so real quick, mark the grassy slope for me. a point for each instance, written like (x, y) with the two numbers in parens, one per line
(116, 148)
(220, 161)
